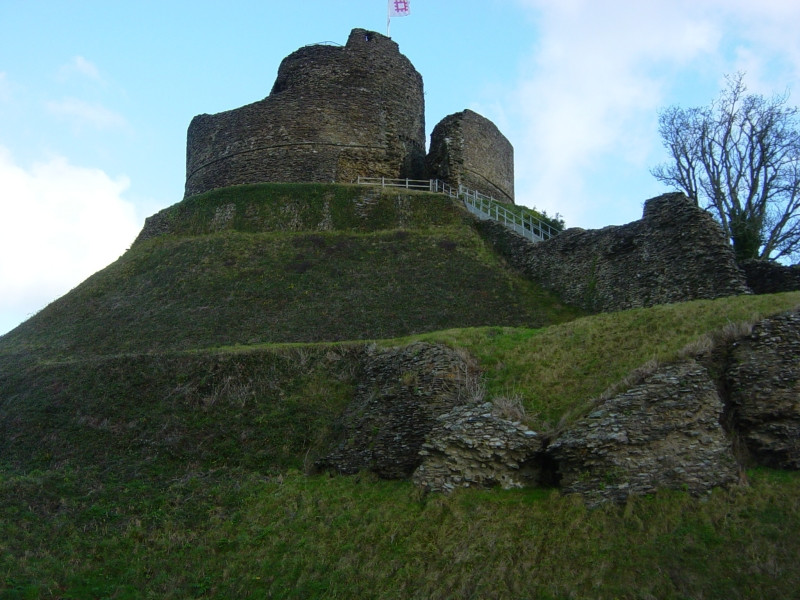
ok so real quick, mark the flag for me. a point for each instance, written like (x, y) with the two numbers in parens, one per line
(399, 8)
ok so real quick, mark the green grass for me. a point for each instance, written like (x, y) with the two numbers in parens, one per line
(259, 208)
(161, 416)
(233, 534)
(270, 408)
(247, 288)
(181, 475)
(557, 368)
(158, 423)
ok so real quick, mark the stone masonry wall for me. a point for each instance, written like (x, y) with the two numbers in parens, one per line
(675, 253)
(763, 383)
(334, 113)
(468, 149)
(767, 277)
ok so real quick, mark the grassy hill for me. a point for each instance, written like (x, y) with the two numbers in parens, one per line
(292, 263)
(158, 422)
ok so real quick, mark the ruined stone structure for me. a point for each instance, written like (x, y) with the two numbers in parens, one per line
(664, 432)
(763, 376)
(418, 413)
(402, 393)
(767, 277)
(333, 113)
(688, 425)
(675, 253)
(468, 149)
(339, 112)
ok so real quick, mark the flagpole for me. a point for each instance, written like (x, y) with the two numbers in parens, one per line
(396, 8)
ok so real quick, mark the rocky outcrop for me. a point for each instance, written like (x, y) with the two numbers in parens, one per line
(763, 383)
(474, 446)
(675, 253)
(662, 433)
(768, 277)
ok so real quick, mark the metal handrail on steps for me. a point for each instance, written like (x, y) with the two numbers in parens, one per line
(486, 207)
(481, 205)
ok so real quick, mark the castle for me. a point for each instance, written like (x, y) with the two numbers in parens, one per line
(339, 112)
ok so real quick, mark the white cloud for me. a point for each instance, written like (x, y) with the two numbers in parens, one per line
(80, 67)
(60, 224)
(590, 91)
(86, 113)
(588, 88)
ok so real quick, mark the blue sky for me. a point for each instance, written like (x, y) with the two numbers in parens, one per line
(96, 96)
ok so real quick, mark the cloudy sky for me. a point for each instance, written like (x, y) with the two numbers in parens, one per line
(96, 96)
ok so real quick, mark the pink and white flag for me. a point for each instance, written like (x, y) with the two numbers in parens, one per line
(399, 8)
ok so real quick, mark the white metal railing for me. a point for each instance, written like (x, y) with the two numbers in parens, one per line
(481, 205)
(486, 207)
(409, 184)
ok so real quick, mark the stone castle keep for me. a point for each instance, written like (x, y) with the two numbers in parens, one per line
(339, 112)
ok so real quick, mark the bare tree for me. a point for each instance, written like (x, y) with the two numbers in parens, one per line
(740, 157)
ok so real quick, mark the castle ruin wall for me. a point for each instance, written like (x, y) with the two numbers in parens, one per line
(468, 149)
(334, 113)
(675, 253)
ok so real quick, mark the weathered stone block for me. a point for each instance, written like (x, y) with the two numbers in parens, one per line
(472, 446)
(403, 391)
(763, 380)
(662, 433)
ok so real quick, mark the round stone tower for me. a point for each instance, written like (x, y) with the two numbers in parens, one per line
(468, 149)
(334, 113)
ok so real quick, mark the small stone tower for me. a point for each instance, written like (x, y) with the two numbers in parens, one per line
(334, 113)
(468, 149)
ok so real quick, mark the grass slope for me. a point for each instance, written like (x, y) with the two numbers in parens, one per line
(305, 207)
(230, 534)
(180, 475)
(253, 281)
(155, 440)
